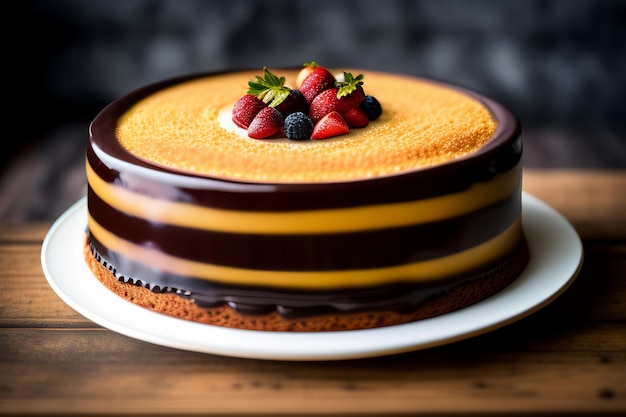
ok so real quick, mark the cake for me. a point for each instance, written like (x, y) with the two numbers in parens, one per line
(414, 213)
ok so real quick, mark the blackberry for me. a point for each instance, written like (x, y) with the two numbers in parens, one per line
(371, 107)
(298, 126)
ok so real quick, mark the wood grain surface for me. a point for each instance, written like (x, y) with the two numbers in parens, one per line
(567, 359)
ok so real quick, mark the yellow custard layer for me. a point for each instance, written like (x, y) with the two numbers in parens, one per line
(422, 124)
(425, 271)
(310, 221)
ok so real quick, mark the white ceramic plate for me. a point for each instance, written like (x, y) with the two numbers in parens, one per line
(556, 257)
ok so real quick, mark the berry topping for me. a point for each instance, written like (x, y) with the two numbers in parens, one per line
(245, 109)
(294, 102)
(318, 80)
(330, 125)
(267, 122)
(349, 92)
(356, 117)
(349, 85)
(323, 106)
(307, 68)
(371, 107)
(269, 88)
(298, 126)
(323, 103)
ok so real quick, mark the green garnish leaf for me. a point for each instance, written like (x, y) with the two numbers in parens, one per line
(269, 88)
(349, 84)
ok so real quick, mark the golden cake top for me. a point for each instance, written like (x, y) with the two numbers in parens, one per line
(188, 127)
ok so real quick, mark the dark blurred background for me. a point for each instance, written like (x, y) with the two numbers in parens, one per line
(559, 65)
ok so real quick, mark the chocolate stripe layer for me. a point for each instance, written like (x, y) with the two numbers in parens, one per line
(437, 181)
(254, 300)
(321, 252)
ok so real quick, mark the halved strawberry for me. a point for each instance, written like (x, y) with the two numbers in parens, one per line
(323, 103)
(330, 125)
(318, 80)
(267, 122)
(356, 117)
(245, 109)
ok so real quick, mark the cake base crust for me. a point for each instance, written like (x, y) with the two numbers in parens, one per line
(463, 295)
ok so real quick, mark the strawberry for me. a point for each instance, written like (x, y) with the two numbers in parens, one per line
(346, 95)
(267, 122)
(307, 68)
(269, 88)
(349, 92)
(318, 80)
(323, 103)
(330, 125)
(245, 109)
(356, 117)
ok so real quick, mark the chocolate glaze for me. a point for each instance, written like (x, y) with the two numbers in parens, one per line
(256, 300)
(110, 161)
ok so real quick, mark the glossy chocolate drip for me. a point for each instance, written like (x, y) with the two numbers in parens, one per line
(253, 300)
(437, 181)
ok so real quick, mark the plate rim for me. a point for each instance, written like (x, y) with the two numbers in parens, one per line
(551, 238)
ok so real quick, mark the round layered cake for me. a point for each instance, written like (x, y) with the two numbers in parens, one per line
(414, 215)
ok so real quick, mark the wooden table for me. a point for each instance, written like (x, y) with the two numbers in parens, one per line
(568, 358)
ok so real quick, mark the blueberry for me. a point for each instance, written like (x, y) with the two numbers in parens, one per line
(298, 126)
(371, 107)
